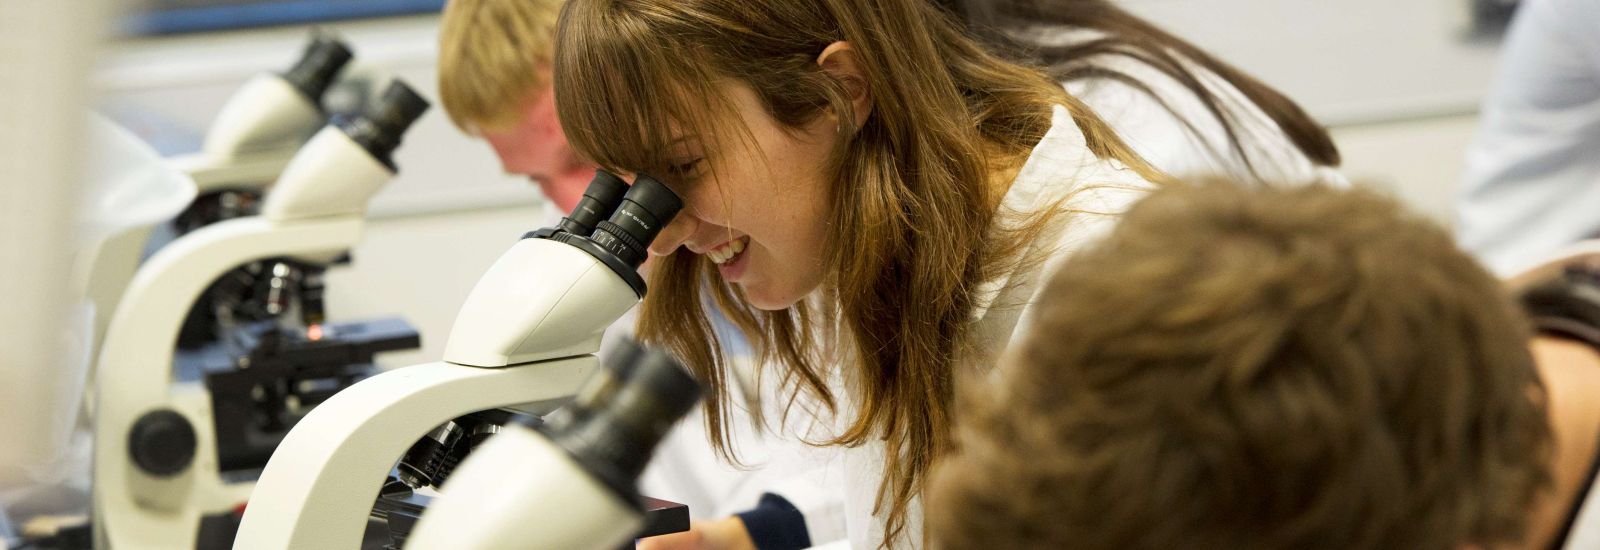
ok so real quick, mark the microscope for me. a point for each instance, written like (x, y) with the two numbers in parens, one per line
(246, 148)
(258, 131)
(248, 145)
(175, 455)
(570, 483)
(525, 339)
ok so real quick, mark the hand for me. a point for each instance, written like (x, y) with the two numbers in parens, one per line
(721, 534)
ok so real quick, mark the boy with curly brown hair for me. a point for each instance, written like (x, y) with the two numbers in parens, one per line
(1276, 368)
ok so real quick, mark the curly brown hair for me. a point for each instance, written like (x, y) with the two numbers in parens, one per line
(1275, 368)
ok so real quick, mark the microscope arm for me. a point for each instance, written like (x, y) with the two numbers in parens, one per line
(525, 336)
(136, 361)
(146, 323)
(320, 485)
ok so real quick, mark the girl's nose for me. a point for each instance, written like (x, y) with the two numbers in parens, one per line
(675, 233)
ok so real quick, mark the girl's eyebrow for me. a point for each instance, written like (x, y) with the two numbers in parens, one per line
(682, 146)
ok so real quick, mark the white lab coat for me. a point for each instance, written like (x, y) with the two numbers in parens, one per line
(1532, 181)
(1096, 192)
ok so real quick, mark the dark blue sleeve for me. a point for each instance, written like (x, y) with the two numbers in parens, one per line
(775, 524)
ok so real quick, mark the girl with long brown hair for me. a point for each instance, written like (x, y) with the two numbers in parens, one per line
(871, 195)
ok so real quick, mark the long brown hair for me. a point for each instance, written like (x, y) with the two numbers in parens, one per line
(1002, 24)
(912, 228)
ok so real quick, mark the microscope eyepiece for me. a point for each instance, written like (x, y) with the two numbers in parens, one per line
(645, 210)
(399, 107)
(640, 383)
(314, 72)
(599, 200)
(622, 241)
(622, 412)
(657, 391)
(379, 128)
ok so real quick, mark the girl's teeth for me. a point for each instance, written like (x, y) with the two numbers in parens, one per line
(726, 252)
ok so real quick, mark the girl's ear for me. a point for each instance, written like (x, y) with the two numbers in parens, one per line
(840, 60)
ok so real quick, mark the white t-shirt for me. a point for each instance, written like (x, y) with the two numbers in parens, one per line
(1532, 182)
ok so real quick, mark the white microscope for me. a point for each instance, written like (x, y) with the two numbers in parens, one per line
(570, 483)
(256, 133)
(246, 148)
(525, 338)
(265, 122)
(157, 463)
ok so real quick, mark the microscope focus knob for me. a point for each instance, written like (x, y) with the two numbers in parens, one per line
(162, 442)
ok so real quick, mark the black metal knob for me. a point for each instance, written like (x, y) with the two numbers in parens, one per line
(162, 443)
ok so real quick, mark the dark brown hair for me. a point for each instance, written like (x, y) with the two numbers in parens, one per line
(1256, 369)
(1005, 24)
(897, 295)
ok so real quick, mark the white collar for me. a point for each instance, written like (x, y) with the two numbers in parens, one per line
(1052, 170)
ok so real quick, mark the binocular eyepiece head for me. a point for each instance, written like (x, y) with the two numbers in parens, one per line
(616, 222)
(643, 385)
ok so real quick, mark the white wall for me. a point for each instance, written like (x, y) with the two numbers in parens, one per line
(1418, 160)
(1346, 61)
(1397, 81)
